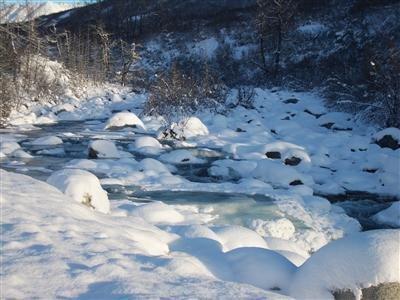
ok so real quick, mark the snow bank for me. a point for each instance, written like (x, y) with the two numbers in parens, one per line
(124, 119)
(82, 186)
(185, 129)
(390, 216)
(158, 213)
(352, 263)
(47, 141)
(233, 237)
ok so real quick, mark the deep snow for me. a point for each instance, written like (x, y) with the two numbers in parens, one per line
(283, 150)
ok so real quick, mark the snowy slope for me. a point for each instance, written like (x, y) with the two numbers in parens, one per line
(22, 12)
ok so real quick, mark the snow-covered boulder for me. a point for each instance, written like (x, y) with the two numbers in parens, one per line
(82, 186)
(124, 119)
(352, 263)
(146, 145)
(183, 130)
(47, 141)
(180, 157)
(232, 237)
(8, 147)
(279, 174)
(159, 213)
(388, 138)
(389, 216)
(103, 149)
(19, 153)
(261, 267)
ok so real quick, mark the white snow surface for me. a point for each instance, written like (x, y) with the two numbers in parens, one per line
(55, 248)
(47, 141)
(21, 12)
(389, 216)
(358, 261)
(123, 119)
(82, 186)
(104, 149)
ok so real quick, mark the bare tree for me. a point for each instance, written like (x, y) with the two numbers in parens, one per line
(273, 19)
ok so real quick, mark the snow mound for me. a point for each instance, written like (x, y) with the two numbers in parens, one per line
(47, 141)
(158, 213)
(146, 145)
(279, 174)
(181, 157)
(186, 129)
(233, 237)
(261, 267)
(124, 119)
(103, 149)
(390, 216)
(351, 263)
(9, 147)
(82, 186)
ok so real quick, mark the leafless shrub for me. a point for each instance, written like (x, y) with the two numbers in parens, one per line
(177, 94)
(246, 97)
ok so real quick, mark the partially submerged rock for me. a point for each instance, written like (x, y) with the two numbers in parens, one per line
(102, 149)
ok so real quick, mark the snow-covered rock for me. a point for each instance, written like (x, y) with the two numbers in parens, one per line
(280, 175)
(103, 149)
(47, 141)
(185, 129)
(9, 147)
(233, 237)
(146, 145)
(389, 216)
(124, 119)
(261, 267)
(352, 263)
(158, 213)
(180, 157)
(82, 186)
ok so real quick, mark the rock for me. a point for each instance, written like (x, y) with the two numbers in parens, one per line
(292, 161)
(388, 142)
(296, 182)
(273, 154)
(328, 125)
(388, 138)
(291, 101)
(124, 119)
(384, 291)
(103, 149)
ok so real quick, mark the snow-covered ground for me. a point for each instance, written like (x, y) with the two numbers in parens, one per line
(289, 150)
(18, 12)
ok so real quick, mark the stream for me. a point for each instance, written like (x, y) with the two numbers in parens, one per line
(230, 208)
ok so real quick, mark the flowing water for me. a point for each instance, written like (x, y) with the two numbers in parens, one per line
(227, 208)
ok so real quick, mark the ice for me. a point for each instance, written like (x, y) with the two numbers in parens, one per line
(83, 187)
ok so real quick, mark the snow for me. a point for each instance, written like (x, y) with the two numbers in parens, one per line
(47, 141)
(232, 237)
(103, 149)
(158, 213)
(389, 216)
(21, 12)
(83, 187)
(280, 228)
(393, 132)
(146, 145)
(187, 129)
(124, 119)
(180, 156)
(57, 248)
(352, 263)
(313, 28)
